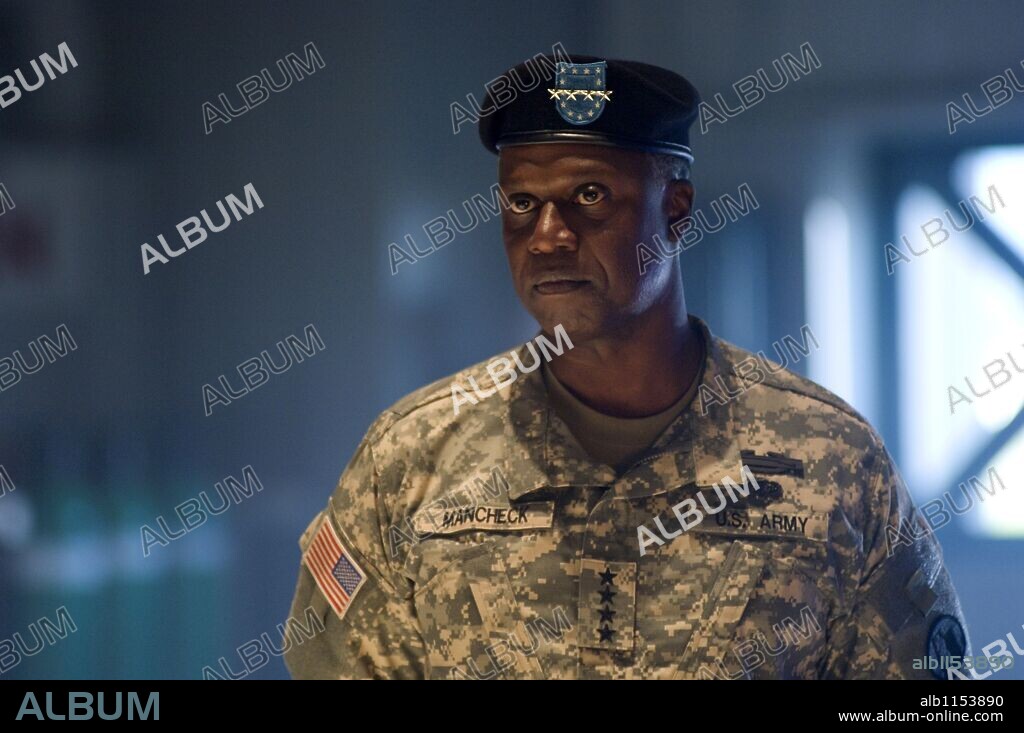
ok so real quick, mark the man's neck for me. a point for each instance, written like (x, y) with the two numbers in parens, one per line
(635, 375)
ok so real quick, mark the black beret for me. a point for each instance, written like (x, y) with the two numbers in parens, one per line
(589, 100)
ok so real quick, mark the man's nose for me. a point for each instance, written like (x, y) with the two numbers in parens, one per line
(551, 232)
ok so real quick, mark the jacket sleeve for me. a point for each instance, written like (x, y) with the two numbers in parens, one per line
(901, 605)
(371, 631)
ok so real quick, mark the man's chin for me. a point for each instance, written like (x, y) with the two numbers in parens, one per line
(582, 315)
(579, 327)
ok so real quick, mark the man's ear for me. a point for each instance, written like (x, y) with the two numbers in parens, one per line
(678, 204)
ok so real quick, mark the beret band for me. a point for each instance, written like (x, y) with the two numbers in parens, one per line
(593, 138)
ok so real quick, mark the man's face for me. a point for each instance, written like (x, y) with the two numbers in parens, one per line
(577, 213)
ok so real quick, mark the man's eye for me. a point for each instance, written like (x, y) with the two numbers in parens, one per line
(521, 206)
(590, 196)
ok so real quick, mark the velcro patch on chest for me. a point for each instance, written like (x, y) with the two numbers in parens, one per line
(439, 520)
(773, 521)
(607, 604)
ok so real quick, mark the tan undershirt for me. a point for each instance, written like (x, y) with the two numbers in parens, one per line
(614, 441)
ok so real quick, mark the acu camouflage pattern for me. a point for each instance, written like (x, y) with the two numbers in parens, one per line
(734, 597)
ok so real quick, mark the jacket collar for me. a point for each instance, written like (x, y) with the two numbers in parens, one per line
(541, 452)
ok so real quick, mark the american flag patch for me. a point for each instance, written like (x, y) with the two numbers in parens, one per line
(333, 567)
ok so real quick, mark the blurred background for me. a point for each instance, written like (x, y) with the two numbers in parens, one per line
(112, 435)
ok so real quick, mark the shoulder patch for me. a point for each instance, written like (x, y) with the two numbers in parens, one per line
(332, 566)
(946, 639)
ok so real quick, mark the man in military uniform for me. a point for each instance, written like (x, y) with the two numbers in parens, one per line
(634, 506)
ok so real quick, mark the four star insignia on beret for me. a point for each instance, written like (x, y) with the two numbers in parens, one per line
(585, 81)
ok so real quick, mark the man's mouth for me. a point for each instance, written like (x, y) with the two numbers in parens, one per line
(558, 286)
